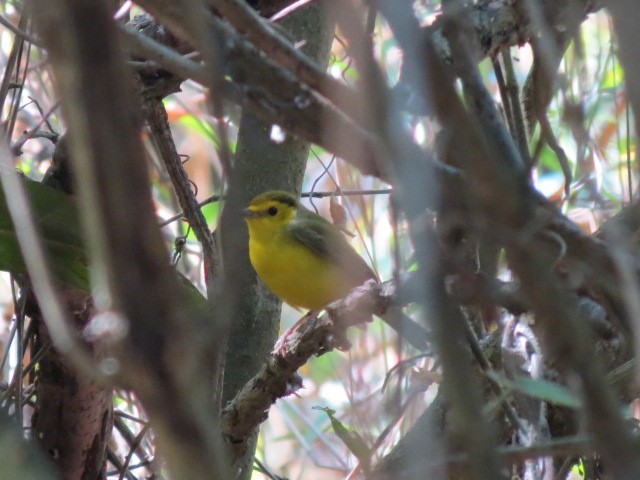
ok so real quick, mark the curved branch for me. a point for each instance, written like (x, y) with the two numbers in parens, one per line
(316, 334)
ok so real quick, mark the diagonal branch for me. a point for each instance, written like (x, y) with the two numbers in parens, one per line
(129, 258)
(248, 23)
(161, 134)
(271, 92)
(317, 334)
(509, 206)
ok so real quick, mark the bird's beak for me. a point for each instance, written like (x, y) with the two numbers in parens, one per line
(248, 213)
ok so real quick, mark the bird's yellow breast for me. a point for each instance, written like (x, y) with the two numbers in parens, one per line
(296, 274)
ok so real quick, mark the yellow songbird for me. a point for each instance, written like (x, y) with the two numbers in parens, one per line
(306, 261)
(303, 258)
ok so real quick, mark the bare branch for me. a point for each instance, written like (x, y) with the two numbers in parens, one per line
(248, 23)
(130, 262)
(508, 206)
(315, 335)
(161, 134)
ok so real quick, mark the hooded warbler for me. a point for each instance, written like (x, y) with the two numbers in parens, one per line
(306, 261)
(302, 257)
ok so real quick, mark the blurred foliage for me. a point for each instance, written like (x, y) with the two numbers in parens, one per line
(56, 218)
(538, 388)
(589, 115)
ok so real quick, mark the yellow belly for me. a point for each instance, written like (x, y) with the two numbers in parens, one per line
(297, 275)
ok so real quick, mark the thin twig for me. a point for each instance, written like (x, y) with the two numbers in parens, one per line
(486, 367)
(341, 193)
(21, 66)
(519, 130)
(161, 134)
(32, 364)
(11, 62)
(165, 57)
(115, 461)
(263, 468)
(132, 449)
(285, 12)
(133, 441)
(16, 147)
(19, 372)
(266, 38)
(128, 416)
(20, 32)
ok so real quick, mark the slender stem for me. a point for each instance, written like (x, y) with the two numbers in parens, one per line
(341, 193)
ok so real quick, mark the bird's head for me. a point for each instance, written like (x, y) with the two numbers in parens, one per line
(270, 212)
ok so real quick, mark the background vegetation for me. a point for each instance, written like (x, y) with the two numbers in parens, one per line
(481, 155)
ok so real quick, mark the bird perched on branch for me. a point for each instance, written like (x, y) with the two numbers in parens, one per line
(305, 259)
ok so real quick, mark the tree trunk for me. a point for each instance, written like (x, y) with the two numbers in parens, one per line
(73, 417)
(260, 165)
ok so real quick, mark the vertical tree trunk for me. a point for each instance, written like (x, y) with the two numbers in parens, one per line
(73, 416)
(260, 165)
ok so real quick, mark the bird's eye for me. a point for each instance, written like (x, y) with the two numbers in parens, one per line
(273, 211)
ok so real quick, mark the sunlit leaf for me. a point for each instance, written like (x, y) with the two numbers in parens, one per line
(613, 77)
(211, 213)
(202, 127)
(354, 442)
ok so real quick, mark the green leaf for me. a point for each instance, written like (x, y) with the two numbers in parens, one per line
(56, 218)
(622, 372)
(354, 442)
(579, 469)
(211, 213)
(539, 388)
(194, 299)
(613, 77)
(203, 128)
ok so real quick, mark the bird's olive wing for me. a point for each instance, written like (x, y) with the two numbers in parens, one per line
(325, 240)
